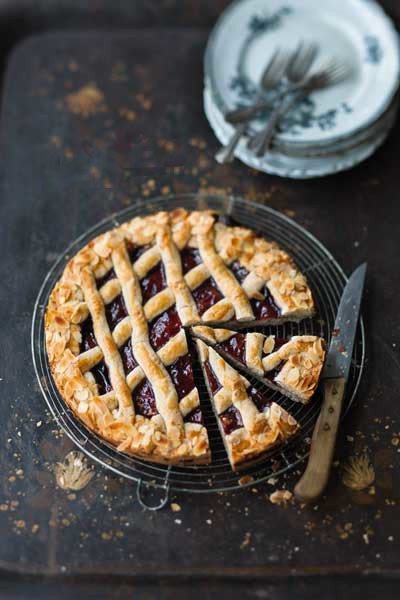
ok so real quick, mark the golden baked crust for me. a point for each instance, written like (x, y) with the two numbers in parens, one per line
(260, 429)
(165, 437)
(299, 360)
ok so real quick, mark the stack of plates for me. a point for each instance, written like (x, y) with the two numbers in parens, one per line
(333, 129)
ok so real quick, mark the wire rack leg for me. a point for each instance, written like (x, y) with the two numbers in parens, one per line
(163, 501)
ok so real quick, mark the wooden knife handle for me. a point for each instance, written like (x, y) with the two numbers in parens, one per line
(316, 475)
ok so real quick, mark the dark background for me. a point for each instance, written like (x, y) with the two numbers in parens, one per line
(60, 173)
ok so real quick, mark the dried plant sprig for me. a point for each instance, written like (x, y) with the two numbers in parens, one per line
(358, 472)
(74, 473)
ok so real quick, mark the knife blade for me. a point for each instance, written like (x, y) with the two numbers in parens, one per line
(338, 360)
(333, 379)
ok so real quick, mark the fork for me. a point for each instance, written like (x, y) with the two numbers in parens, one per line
(296, 73)
(291, 81)
(270, 77)
(331, 74)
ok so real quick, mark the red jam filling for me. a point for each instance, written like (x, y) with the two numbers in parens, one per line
(270, 375)
(144, 400)
(265, 309)
(239, 271)
(279, 342)
(116, 311)
(164, 327)
(206, 295)
(153, 283)
(228, 220)
(195, 416)
(213, 381)
(231, 419)
(235, 346)
(190, 258)
(258, 398)
(181, 373)
(107, 277)
(88, 339)
(128, 360)
(102, 378)
(135, 252)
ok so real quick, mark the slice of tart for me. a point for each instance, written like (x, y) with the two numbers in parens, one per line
(250, 423)
(291, 366)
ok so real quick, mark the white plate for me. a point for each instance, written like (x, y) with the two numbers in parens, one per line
(356, 32)
(303, 167)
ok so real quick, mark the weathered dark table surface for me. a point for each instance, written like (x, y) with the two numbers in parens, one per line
(62, 171)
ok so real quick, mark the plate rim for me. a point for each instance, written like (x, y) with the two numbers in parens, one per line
(338, 164)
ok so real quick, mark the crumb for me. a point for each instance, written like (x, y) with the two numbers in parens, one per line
(73, 66)
(20, 524)
(178, 521)
(246, 540)
(95, 172)
(127, 114)
(166, 145)
(175, 507)
(289, 213)
(144, 102)
(55, 141)
(87, 101)
(280, 497)
(246, 479)
(197, 143)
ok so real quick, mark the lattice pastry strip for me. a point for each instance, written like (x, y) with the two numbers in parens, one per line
(291, 366)
(249, 422)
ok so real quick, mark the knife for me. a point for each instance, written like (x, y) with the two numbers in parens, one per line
(333, 379)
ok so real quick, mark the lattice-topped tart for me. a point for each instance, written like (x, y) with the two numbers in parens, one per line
(291, 366)
(115, 323)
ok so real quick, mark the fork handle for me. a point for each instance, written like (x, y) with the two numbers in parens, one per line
(246, 112)
(261, 141)
(227, 153)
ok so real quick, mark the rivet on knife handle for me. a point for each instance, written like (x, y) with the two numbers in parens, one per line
(312, 484)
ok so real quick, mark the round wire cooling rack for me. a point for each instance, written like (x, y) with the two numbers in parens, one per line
(327, 281)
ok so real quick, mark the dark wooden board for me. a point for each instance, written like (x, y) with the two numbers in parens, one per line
(62, 172)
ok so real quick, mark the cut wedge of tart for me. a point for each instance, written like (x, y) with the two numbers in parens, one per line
(250, 423)
(291, 366)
